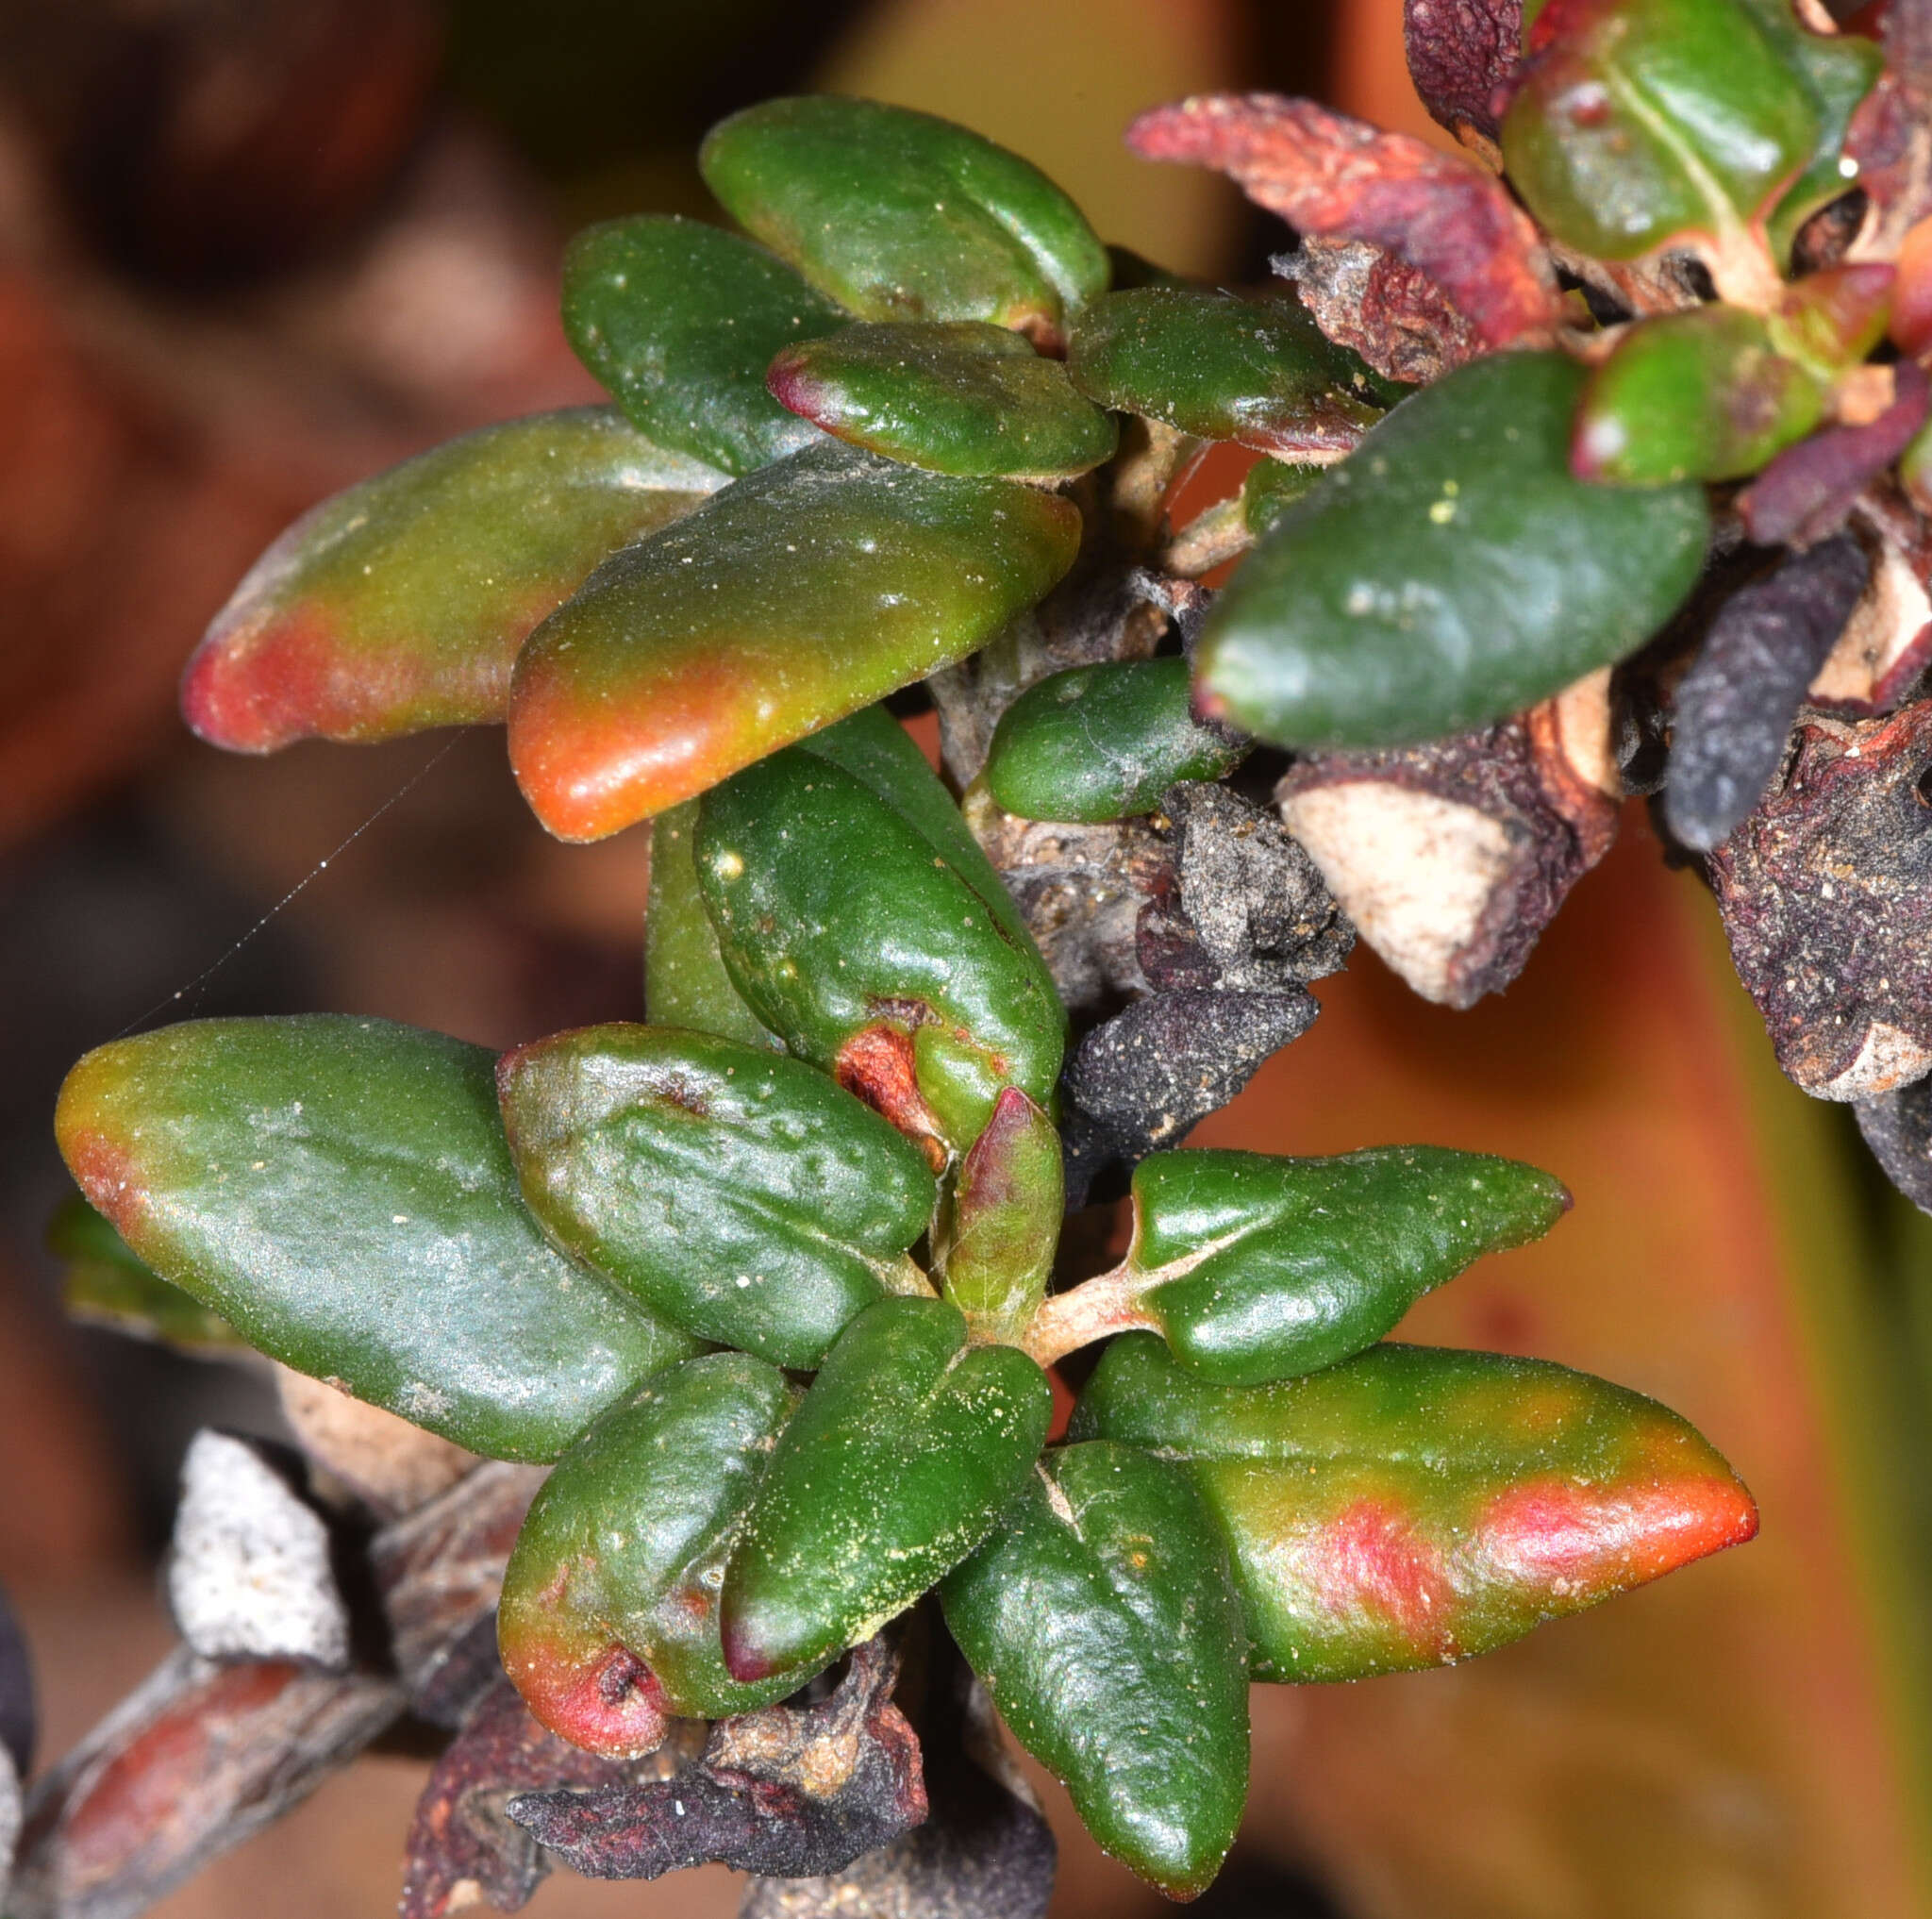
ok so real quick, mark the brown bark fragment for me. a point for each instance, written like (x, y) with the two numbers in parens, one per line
(1826, 895)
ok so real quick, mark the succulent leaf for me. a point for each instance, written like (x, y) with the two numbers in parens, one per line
(684, 981)
(338, 1190)
(1271, 487)
(102, 1283)
(1003, 1222)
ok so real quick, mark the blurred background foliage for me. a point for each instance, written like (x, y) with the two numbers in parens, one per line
(252, 249)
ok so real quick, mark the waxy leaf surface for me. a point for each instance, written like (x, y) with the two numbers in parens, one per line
(1103, 742)
(1254, 1268)
(856, 939)
(900, 216)
(1415, 1506)
(1271, 487)
(1103, 1618)
(1004, 1220)
(609, 1619)
(1257, 371)
(1449, 572)
(740, 1194)
(401, 603)
(685, 981)
(814, 586)
(897, 1464)
(1697, 396)
(338, 1190)
(681, 320)
(967, 399)
(102, 1283)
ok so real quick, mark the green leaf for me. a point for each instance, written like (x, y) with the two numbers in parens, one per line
(857, 940)
(1638, 125)
(963, 397)
(1449, 572)
(1698, 395)
(684, 981)
(609, 1619)
(1004, 1220)
(1254, 1268)
(1257, 371)
(897, 1464)
(340, 1191)
(1103, 1618)
(681, 320)
(401, 603)
(103, 1284)
(1103, 742)
(900, 216)
(814, 586)
(1271, 487)
(1414, 1507)
(738, 1194)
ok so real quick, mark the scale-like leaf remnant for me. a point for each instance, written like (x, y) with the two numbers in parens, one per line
(895, 1466)
(681, 320)
(1102, 1616)
(1449, 572)
(1103, 742)
(900, 216)
(1257, 371)
(967, 399)
(1412, 1506)
(854, 938)
(401, 603)
(338, 1190)
(816, 586)
(609, 1619)
(741, 1196)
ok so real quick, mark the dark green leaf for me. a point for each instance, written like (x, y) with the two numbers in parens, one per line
(1004, 1220)
(102, 1283)
(1271, 487)
(685, 981)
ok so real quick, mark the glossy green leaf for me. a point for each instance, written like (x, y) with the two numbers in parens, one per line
(340, 1191)
(609, 1619)
(1103, 1618)
(1254, 1268)
(1257, 371)
(1412, 1506)
(740, 1194)
(681, 320)
(1271, 487)
(401, 603)
(814, 586)
(895, 1466)
(1103, 742)
(1131, 270)
(900, 216)
(1449, 572)
(103, 1284)
(1641, 124)
(1698, 395)
(1004, 1220)
(685, 981)
(964, 397)
(857, 940)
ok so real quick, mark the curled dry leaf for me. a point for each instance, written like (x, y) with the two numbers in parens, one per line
(1897, 1127)
(1461, 52)
(1338, 179)
(1736, 705)
(1392, 314)
(1452, 857)
(1824, 895)
(1890, 140)
(1886, 643)
(789, 1791)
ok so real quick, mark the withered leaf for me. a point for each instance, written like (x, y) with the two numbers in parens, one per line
(1826, 895)
(1890, 140)
(1340, 178)
(1887, 643)
(1735, 707)
(789, 1791)
(1389, 312)
(1897, 1127)
(1460, 53)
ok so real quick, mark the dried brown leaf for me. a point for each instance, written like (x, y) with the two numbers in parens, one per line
(1394, 315)
(1461, 54)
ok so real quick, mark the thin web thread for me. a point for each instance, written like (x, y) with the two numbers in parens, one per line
(301, 886)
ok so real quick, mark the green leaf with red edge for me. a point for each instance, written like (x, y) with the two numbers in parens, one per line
(738, 1194)
(901, 216)
(684, 981)
(401, 603)
(1415, 1506)
(963, 397)
(1833, 319)
(1003, 1221)
(1103, 1618)
(898, 1462)
(338, 1190)
(681, 320)
(811, 587)
(609, 1619)
(1639, 125)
